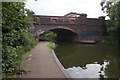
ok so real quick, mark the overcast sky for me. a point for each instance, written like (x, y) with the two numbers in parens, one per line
(61, 7)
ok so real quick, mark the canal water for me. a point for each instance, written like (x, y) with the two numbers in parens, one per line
(89, 60)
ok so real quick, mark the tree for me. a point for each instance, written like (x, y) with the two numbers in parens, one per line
(113, 12)
(16, 39)
(49, 35)
(107, 4)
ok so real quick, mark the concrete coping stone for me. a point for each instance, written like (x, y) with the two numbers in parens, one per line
(60, 65)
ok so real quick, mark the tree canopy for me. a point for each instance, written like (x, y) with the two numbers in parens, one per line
(112, 8)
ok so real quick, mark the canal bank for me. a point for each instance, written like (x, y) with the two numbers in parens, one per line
(60, 65)
(40, 63)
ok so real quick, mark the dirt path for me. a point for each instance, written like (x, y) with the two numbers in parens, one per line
(41, 64)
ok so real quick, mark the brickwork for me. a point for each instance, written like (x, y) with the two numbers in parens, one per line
(85, 28)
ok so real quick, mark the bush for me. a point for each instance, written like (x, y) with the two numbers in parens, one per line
(16, 39)
(110, 40)
(51, 45)
(49, 35)
(12, 56)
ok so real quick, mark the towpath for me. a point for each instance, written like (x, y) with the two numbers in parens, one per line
(41, 64)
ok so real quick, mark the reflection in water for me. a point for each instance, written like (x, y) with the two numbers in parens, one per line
(89, 61)
(90, 71)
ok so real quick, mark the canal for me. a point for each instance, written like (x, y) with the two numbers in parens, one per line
(89, 60)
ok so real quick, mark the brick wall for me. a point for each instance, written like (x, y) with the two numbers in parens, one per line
(86, 28)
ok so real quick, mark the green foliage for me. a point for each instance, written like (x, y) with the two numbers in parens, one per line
(111, 28)
(115, 18)
(113, 11)
(110, 40)
(16, 39)
(51, 45)
(49, 35)
(107, 4)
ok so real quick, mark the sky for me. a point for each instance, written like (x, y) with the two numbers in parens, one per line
(61, 7)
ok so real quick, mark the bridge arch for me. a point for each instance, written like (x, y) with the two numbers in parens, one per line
(63, 33)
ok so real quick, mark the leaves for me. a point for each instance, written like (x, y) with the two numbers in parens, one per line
(16, 37)
(113, 11)
(49, 35)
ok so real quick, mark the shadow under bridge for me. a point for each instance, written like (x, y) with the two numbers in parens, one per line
(64, 35)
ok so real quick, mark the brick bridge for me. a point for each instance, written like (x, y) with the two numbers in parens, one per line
(72, 26)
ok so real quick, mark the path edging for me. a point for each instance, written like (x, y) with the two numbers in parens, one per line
(60, 65)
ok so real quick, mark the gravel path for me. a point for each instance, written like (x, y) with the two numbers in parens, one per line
(41, 64)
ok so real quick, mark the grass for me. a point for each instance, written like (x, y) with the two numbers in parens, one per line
(24, 54)
(51, 46)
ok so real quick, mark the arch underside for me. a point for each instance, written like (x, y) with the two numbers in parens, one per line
(64, 34)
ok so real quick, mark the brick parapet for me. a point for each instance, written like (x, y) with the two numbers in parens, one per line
(81, 25)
